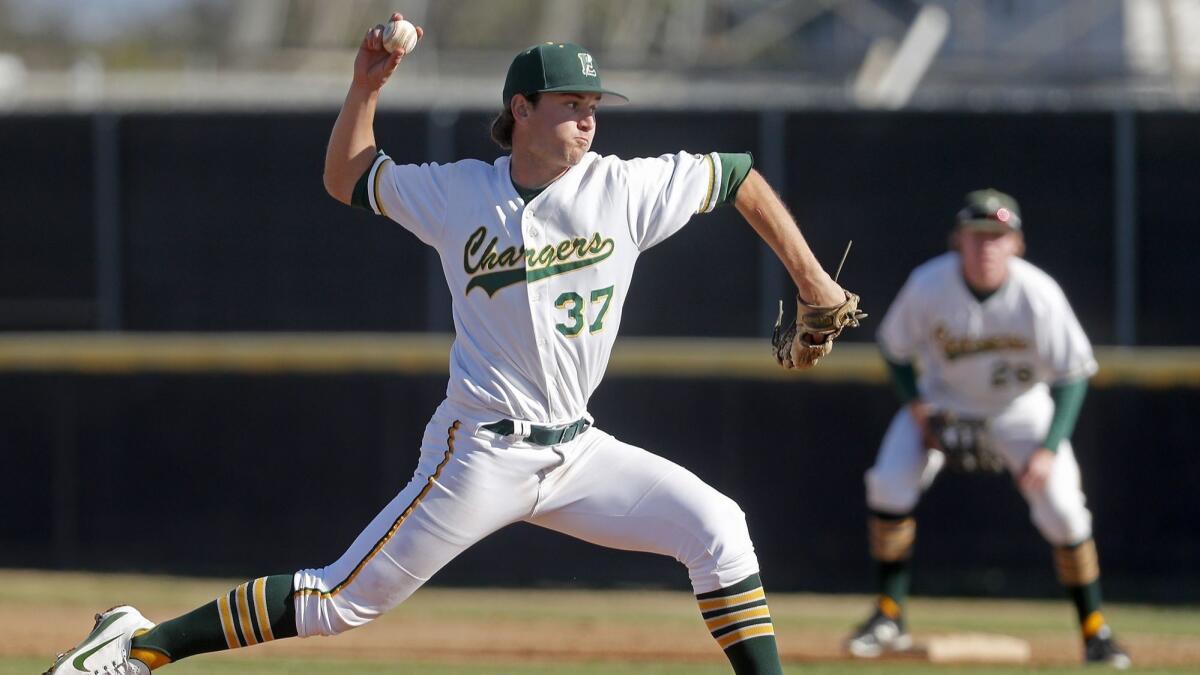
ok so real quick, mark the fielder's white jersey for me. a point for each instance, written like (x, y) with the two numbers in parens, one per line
(538, 288)
(979, 359)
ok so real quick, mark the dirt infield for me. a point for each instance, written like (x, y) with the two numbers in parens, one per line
(43, 613)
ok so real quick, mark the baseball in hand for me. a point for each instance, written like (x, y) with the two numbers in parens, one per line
(399, 35)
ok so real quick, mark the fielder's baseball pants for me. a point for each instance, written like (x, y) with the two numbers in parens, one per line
(904, 468)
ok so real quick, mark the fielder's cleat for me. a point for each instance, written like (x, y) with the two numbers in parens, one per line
(1102, 650)
(105, 651)
(879, 634)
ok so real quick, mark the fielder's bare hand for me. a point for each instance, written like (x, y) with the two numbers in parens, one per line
(920, 412)
(1037, 471)
(374, 65)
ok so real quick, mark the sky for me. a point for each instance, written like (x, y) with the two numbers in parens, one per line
(90, 22)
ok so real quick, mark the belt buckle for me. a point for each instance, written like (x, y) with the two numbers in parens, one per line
(568, 433)
(572, 431)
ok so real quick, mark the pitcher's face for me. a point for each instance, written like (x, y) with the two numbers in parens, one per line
(561, 127)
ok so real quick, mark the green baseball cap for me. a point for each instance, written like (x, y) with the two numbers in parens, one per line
(990, 209)
(554, 66)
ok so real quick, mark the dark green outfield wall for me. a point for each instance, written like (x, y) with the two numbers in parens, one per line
(240, 475)
(219, 221)
(167, 223)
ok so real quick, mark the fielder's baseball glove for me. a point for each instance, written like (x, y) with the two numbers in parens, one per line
(965, 442)
(794, 346)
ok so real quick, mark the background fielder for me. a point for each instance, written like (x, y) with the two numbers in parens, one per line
(1003, 370)
(538, 250)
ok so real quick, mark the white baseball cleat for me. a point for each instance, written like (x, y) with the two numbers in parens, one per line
(1102, 649)
(878, 635)
(105, 651)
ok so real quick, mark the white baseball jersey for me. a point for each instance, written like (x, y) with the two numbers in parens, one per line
(979, 359)
(538, 288)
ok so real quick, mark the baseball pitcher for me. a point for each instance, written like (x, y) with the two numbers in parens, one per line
(1004, 366)
(538, 249)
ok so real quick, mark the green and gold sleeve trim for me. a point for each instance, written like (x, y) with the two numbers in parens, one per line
(363, 189)
(712, 193)
(1068, 400)
(372, 181)
(904, 380)
(734, 167)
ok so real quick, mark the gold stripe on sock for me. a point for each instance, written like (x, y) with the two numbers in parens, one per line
(152, 658)
(718, 622)
(1092, 624)
(759, 630)
(891, 540)
(260, 609)
(889, 607)
(1077, 565)
(732, 600)
(231, 638)
(243, 607)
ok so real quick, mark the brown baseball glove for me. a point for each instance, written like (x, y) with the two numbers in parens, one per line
(965, 442)
(810, 336)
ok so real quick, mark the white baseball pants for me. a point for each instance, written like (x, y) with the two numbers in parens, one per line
(470, 482)
(904, 468)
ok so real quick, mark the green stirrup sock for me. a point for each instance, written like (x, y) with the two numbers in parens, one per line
(257, 611)
(1078, 570)
(738, 618)
(1087, 606)
(890, 537)
(894, 581)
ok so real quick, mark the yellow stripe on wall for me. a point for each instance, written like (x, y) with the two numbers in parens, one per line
(428, 353)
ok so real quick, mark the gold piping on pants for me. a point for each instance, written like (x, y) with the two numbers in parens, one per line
(395, 525)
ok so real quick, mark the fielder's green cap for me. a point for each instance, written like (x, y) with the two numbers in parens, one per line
(990, 209)
(554, 66)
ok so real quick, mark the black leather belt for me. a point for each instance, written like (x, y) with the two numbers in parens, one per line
(542, 435)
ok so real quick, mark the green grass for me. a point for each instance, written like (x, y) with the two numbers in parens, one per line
(232, 666)
(254, 667)
(1170, 634)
